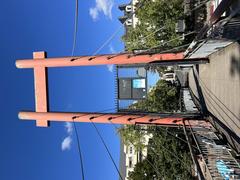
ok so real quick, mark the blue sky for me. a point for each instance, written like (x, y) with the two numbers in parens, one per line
(28, 152)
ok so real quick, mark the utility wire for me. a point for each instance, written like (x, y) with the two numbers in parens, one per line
(195, 8)
(102, 139)
(105, 145)
(198, 6)
(166, 42)
(176, 48)
(118, 29)
(150, 34)
(107, 41)
(99, 49)
(164, 51)
(79, 149)
(151, 164)
(75, 28)
(176, 156)
(183, 140)
(74, 124)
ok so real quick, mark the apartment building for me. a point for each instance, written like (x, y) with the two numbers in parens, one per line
(130, 156)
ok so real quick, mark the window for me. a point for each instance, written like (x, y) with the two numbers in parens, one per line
(130, 150)
(129, 22)
(128, 8)
(130, 162)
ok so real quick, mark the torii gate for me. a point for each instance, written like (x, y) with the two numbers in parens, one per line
(40, 63)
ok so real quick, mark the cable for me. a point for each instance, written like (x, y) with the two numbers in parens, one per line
(79, 149)
(186, 165)
(105, 145)
(75, 28)
(198, 6)
(118, 29)
(74, 124)
(164, 51)
(149, 35)
(176, 136)
(99, 49)
(215, 99)
(78, 142)
(175, 48)
(195, 8)
(154, 167)
(107, 41)
(154, 47)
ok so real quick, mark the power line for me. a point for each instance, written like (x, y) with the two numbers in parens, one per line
(164, 51)
(195, 8)
(108, 40)
(175, 48)
(105, 145)
(118, 29)
(102, 140)
(198, 6)
(74, 124)
(166, 42)
(154, 167)
(181, 161)
(78, 141)
(79, 149)
(99, 49)
(183, 140)
(75, 28)
(145, 37)
(176, 156)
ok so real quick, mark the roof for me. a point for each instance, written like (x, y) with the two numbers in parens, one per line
(208, 47)
(122, 6)
(122, 19)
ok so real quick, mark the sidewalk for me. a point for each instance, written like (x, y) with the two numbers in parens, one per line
(217, 86)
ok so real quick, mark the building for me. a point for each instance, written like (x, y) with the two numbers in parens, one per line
(129, 157)
(129, 18)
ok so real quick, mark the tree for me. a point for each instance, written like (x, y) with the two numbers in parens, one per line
(157, 22)
(132, 136)
(161, 161)
(143, 171)
(164, 97)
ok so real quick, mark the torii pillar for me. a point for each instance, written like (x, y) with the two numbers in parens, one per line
(40, 63)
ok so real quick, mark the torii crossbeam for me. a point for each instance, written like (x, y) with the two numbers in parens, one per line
(40, 63)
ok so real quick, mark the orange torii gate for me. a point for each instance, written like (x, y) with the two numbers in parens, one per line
(40, 63)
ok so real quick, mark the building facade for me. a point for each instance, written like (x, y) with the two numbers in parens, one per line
(130, 156)
(129, 18)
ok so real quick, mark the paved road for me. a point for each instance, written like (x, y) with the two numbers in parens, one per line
(217, 85)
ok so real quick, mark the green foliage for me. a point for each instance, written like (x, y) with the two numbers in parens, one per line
(152, 16)
(161, 161)
(162, 98)
(131, 136)
(156, 69)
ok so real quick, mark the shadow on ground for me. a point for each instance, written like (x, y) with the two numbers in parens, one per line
(235, 66)
(227, 133)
